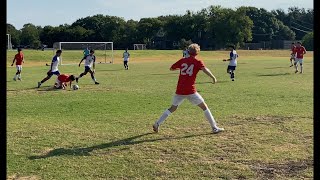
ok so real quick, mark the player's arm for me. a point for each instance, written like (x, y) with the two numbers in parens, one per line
(14, 59)
(304, 50)
(208, 72)
(231, 55)
(82, 60)
(175, 66)
(94, 64)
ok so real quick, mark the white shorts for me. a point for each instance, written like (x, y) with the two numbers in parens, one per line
(298, 60)
(293, 56)
(19, 67)
(195, 99)
(126, 59)
(58, 83)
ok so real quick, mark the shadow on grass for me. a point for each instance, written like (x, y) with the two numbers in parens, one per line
(274, 67)
(165, 74)
(275, 74)
(111, 70)
(47, 88)
(85, 151)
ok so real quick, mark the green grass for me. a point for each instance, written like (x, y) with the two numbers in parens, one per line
(105, 131)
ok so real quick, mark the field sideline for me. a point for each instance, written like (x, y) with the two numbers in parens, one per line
(105, 131)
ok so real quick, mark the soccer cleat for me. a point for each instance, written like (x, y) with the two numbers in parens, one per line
(14, 79)
(39, 84)
(19, 79)
(217, 130)
(232, 79)
(156, 127)
(291, 65)
(296, 71)
(96, 82)
(77, 79)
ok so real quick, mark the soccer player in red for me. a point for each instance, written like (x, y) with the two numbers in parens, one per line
(300, 51)
(189, 68)
(62, 81)
(293, 54)
(19, 60)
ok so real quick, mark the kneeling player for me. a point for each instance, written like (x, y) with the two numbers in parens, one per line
(62, 81)
(189, 68)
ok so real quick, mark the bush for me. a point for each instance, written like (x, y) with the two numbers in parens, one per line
(307, 41)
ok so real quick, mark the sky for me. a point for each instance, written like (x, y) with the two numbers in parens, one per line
(54, 13)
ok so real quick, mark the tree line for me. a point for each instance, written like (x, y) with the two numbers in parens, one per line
(213, 28)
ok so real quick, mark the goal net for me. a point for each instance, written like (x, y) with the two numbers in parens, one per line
(139, 46)
(73, 52)
(9, 44)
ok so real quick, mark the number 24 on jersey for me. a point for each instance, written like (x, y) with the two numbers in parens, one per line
(186, 70)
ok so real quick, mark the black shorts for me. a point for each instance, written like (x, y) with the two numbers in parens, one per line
(232, 68)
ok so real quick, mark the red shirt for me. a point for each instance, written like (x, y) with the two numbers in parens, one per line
(292, 49)
(64, 78)
(189, 68)
(300, 51)
(19, 58)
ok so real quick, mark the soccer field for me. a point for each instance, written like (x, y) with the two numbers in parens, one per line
(105, 131)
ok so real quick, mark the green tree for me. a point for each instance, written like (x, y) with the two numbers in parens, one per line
(15, 34)
(30, 35)
(307, 41)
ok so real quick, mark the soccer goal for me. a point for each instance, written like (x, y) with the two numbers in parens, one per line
(139, 46)
(73, 52)
(9, 44)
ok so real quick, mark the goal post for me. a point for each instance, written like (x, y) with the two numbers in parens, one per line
(139, 46)
(9, 44)
(72, 52)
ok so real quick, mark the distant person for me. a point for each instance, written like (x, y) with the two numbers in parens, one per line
(63, 80)
(300, 51)
(233, 62)
(19, 58)
(189, 68)
(185, 53)
(126, 56)
(53, 68)
(89, 61)
(293, 54)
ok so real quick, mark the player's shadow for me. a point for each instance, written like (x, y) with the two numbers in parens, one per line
(47, 88)
(110, 70)
(85, 151)
(274, 74)
(274, 67)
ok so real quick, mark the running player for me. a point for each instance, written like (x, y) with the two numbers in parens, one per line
(293, 54)
(126, 56)
(19, 58)
(89, 61)
(233, 62)
(300, 51)
(189, 68)
(53, 69)
(62, 81)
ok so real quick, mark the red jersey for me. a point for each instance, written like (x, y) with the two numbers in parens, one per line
(19, 58)
(64, 78)
(300, 51)
(293, 49)
(189, 68)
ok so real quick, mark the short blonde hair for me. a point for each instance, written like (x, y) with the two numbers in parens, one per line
(194, 49)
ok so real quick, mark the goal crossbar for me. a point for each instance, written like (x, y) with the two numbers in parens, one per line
(59, 46)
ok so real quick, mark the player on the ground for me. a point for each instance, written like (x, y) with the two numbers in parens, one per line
(53, 69)
(185, 53)
(90, 60)
(299, 51)
(233, 61)
(126, 57)
(293, 54)
(189, 68)
(19, 58)
(62, 81)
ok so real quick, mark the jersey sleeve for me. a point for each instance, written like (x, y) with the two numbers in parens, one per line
(176, 65)
(201, 64)
(54, 59)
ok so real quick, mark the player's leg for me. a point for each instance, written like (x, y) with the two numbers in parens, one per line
(177, 100)
(296, 64)
(301, 65)
(86, 70)
(49, 75)
(233, 68)
(92, 77)
(19, 72)
(196, 99)
(124, 64)
(291, 59)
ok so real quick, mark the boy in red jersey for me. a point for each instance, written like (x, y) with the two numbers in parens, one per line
(300, 51)
(62, 81)
(19, 57)
(189, 67)
(293, 54)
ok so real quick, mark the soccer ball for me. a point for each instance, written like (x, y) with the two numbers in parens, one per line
(75, 87)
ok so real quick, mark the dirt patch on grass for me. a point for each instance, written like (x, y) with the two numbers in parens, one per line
(17, 177)
(286, 169)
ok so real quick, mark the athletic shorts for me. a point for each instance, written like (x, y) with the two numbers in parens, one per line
(298, 60)
(57, 73)
(293, 56)
(19, 67)
(195, 99)
(232, 68)
(87, 68)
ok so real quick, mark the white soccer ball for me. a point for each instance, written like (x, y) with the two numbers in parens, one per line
(75, 87)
